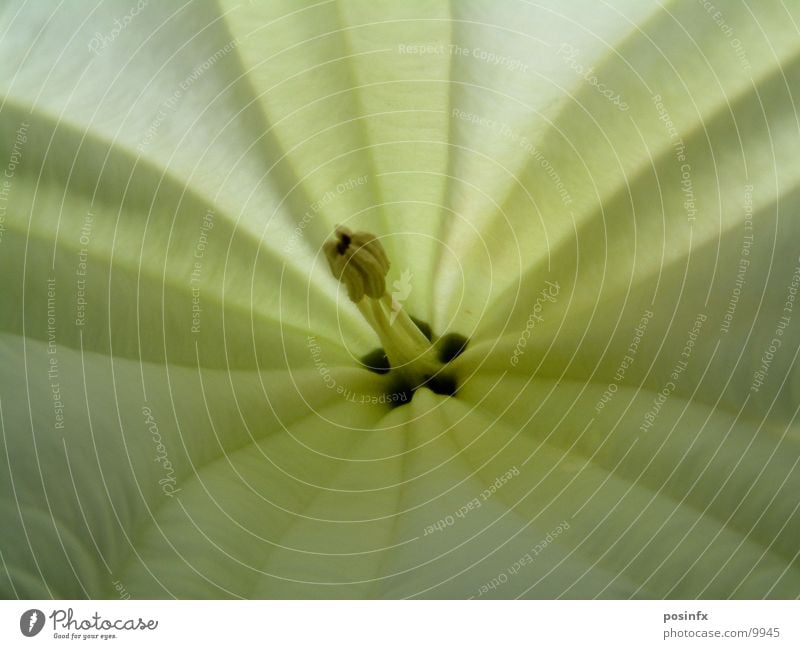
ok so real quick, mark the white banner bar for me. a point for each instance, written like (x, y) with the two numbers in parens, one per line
(400, 624)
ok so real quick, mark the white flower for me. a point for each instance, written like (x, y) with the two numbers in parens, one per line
(184, 412)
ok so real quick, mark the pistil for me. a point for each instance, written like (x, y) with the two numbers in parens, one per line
(359, 261)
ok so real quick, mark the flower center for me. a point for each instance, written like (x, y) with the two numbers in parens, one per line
(409, 353)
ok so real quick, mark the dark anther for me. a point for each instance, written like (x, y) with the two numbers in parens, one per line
(450, 346)
(376, 361)
(399, 393)
(344, 242)
(424, 327)
(442, 384)
(400, 390)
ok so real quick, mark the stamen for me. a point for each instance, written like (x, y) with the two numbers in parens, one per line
(358, 260)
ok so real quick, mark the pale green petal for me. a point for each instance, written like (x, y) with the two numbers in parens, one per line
(175, 132)
(200, 427)
(621, 218)
(95, 448)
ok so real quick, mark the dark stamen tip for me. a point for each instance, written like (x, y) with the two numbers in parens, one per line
(344, 243)
(450, 346)
(400, 393)
(424, 327)
(445, 384)
(376, 361)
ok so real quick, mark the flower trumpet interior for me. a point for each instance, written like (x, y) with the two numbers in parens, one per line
(600, 198)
